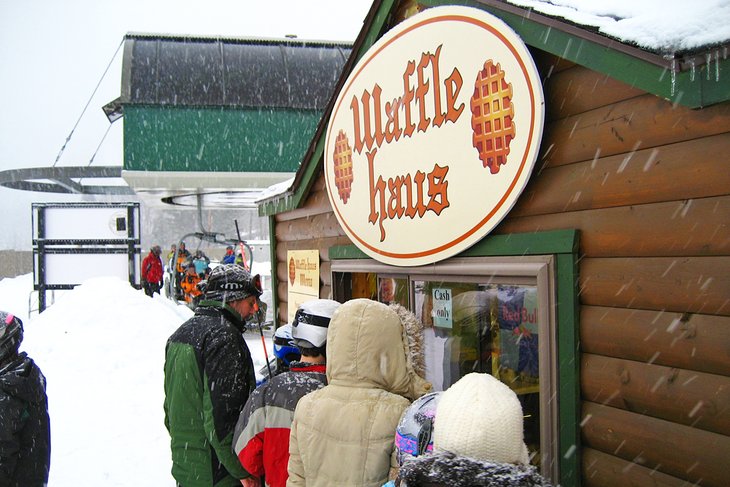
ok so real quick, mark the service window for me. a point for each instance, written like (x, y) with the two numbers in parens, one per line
(482, 314)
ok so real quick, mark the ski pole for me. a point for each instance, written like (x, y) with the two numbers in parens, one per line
(258, 311)
(263, 342)
(240, 245)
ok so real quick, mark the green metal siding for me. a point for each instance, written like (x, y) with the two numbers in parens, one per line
(216, 139)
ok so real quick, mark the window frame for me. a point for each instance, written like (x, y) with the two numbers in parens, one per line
(551, 258)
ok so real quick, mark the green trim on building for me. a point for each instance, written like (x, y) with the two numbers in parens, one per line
(292, 201)
(538, 243)
(337, 252)
(216, 139)
(274, 277)
(564, 245)
(569, 412)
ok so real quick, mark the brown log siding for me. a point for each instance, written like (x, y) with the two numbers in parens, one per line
(647, 183)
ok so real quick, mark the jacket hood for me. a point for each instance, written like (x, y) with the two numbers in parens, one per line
(17, 378)
(446, 468)
(372, 345)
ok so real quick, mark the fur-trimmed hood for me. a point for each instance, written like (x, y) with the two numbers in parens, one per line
(370, 344)
(448, 469)
(412, 332)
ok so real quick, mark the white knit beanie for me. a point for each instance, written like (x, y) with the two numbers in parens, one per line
(480, 417)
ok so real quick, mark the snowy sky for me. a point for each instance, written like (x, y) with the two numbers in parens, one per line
(101, 348)
(53, 53)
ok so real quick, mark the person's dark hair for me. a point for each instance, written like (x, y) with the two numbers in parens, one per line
(314, 351)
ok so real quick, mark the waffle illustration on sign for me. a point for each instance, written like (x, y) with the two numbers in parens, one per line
(492, 116)
(342, 165)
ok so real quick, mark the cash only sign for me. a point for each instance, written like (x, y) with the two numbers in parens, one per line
(433, 136)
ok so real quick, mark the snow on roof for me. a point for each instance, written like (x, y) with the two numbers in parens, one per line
(275, 190)
(666, 26)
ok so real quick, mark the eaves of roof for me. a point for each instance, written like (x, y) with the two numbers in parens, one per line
(694, 79)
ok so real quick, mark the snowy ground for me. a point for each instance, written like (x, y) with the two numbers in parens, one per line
(101, 348)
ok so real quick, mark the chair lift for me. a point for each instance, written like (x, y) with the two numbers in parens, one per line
(172, 286)
(172, 289)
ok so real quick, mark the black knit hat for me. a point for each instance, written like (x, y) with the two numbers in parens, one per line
(230, 282)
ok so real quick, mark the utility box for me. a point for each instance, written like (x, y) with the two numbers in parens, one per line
(73, 242)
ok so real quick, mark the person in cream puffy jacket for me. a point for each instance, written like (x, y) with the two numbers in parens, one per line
(343, 433)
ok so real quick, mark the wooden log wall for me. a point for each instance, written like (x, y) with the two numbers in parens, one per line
(648, 185)
(313, 226)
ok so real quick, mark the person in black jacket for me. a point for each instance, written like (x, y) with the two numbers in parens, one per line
(25, 434)
(208, 377)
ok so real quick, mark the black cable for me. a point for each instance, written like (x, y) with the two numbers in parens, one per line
(87, 105)
(97, 148)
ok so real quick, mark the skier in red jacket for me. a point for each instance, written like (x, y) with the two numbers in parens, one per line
(261, 436)
(152, 271)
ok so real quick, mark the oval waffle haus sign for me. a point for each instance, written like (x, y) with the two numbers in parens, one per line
(434, 136)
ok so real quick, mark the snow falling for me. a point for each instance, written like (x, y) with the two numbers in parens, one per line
(101, 347)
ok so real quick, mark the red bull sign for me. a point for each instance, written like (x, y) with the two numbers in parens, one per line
(433, 136)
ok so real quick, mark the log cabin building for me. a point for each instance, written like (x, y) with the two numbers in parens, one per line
(602, 296)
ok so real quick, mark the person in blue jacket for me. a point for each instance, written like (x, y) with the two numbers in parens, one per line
(230, 257)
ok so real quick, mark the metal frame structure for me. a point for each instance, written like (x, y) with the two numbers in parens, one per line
(43, 246)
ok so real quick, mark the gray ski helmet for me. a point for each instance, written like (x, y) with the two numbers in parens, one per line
(11, 334)
(414, 433)
(283, 348)
(230, 282)
(309, 328)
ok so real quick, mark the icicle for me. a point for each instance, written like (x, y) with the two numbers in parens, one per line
(717, 65)
(708, 62)
(692, 70)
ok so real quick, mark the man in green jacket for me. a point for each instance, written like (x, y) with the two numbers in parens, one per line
(208, 377)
